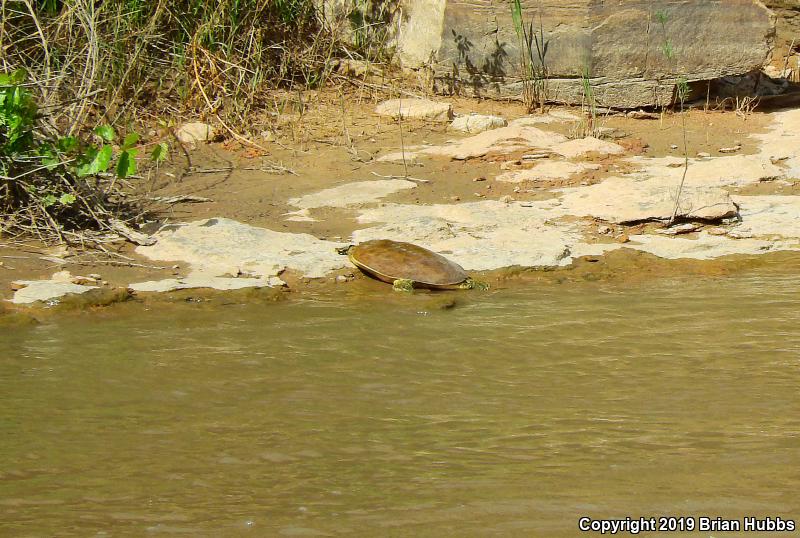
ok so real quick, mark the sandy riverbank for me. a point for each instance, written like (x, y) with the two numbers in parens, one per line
(534, 194)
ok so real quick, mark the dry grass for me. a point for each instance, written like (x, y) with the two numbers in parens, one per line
(96, 61)
(132, 62)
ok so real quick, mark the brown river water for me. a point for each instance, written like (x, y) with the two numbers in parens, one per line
(514, 414)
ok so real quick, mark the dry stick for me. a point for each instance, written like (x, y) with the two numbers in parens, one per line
(100, 246)
(89, 258)
(133, 61)
(33, 171)
(361, 84)
(73, 100)
(45, 48)
(233, 133)
(3, 28)
(116, 263)
(402, 143)
(347, 140)
(685, 169)
(53, 223)
(401, 177)
(183, 148)
(786, 60)
(229, 169)
(181, 198)
(88, 207)
(92, 59)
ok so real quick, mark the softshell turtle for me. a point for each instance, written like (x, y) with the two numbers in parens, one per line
(407, 266)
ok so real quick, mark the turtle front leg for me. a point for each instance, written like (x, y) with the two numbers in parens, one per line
(470, 284)
(402, 284)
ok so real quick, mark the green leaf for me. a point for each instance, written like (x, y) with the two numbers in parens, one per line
(106, 132)
(51, 162)
(49, 200)
(127, 164)
(67, 144)
(160, 153)
(67, 199)
(130, 141)
(85, 160)
(19, 76)
(95, 161)
(669, 51)
(13, 78)
(104, 158)
(516, 17)
(683, 90)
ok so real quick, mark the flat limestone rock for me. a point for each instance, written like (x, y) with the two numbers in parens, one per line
(782, 142)
(583, 146)
(501, 141)
(477, 123)
(408, 157)
(480, 235)
(553, 116)
(704, 247)
(301, 215)
(195, 281)
(769, 216)
(46, 290)
(623, 200)
(350, 194)
(220, 247)
(547, 170)
(421, 109)
(733, 170)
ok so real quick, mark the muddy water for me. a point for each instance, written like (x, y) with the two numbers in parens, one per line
(512, 415)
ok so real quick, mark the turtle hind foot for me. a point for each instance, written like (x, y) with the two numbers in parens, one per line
(402, 284)
(470, 284)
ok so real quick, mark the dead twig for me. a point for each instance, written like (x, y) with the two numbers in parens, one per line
(382, 87)
(402, 177)
(117, 264)
(212, 109)
(179, 199)
(129, 233)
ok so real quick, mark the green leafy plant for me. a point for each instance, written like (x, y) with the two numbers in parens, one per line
(98, 159)
(17, 116)
(666, 47)
(160, 152)
(588, 125)
(52, 185)
(533, 51)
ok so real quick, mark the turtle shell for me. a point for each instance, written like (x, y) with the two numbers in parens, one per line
(392, 260)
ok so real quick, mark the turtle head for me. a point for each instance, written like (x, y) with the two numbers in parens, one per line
(344, 250)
